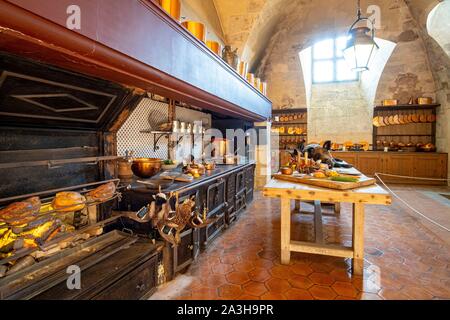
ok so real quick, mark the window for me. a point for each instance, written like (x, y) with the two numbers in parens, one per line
(328, 63)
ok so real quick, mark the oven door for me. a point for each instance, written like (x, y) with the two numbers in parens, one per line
(215, 207)
(189, 248)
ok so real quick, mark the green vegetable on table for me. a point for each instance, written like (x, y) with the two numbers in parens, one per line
(168, 162)
(344, 179)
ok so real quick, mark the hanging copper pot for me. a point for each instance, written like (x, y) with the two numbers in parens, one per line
(198, 29)
(172, 7)
(215, 47)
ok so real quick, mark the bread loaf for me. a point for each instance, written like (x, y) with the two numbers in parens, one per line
(68, 201)
(22, 209)
(103, 192)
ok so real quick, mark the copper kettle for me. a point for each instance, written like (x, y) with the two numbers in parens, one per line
(231, 57)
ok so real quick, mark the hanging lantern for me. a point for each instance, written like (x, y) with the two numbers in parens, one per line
(361, 45)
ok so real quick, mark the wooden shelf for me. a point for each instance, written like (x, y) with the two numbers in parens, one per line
(287, 122)
(404, 135)
(408, 107)
(413, 130)
(289, 111)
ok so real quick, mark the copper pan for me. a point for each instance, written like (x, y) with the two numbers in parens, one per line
(391, 120)
(396, 119)
(375, 122)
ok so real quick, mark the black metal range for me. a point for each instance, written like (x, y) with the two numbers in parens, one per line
(224, 193)
(59, 130)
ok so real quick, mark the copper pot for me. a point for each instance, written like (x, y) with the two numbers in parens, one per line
(263, 87)
(243, 68)
(389, 102)
(198, 29)
(424, 100)
(172, 7)
(251, 78)
(146, 167)
(125, 171)
(286, 171)
(257, 85)
(214, 46)
(210, 166)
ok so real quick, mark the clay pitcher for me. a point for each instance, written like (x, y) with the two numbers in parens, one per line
(231, 57)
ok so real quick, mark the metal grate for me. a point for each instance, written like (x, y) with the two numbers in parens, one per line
(147, 116)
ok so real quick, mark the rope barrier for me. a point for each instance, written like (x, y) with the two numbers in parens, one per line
(407, 177)
(377, 175)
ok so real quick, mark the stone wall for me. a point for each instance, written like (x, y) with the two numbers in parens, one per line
(439, 60)
(333, 110)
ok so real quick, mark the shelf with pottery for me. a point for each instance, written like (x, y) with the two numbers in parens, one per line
(411, 126)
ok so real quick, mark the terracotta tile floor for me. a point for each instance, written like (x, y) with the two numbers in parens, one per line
(404, 258)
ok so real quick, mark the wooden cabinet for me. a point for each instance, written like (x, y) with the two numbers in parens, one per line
(422, 165)
(397, 164)
(430, 167)
(369, 163)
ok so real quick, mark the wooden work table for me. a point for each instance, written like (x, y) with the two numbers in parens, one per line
(288, 191)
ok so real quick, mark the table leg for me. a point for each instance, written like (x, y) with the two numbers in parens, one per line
(337, 208)
(318, 227)
(297, 207)
(285, 230)
(358, 238)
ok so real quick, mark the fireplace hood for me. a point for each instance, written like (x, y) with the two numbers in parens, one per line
(129, 47)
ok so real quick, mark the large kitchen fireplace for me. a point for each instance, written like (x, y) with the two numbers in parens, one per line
(69, 227)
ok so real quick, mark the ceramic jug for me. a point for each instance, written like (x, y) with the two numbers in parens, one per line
(231, 57)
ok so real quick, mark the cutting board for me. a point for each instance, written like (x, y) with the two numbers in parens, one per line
(325, 183)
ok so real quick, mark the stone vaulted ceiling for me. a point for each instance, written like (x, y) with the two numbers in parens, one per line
(252, 25)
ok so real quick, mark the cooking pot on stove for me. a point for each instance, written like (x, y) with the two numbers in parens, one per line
(146, 167)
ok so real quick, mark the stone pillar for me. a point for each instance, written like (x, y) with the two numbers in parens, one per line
(263, 155)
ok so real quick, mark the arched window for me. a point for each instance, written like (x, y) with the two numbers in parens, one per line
(438, 25)
(328, 63)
